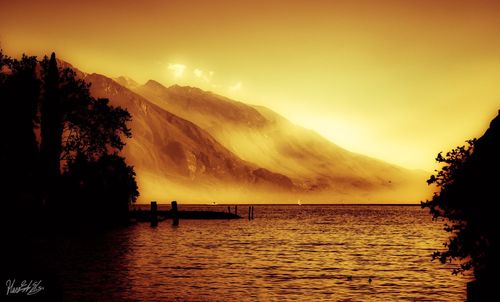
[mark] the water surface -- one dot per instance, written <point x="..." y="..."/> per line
<point x="293" y="253"/>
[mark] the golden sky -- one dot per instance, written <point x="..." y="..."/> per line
<point x="397" y="80"/>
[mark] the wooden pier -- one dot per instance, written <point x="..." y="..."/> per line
<point x="154" y="215"/>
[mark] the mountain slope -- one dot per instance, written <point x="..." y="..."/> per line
<point x="265" y="138"/>
<point x="196" y="146"/>
<point x="175" y="158"/>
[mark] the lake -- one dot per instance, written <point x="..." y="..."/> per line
<point x="287" y="253"/>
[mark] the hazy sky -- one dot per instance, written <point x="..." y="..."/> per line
<point x="397" y="80"/>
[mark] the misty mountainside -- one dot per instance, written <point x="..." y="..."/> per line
<point x="196" y="146"/>
<point x="175" y="156"/>
<point x="261" y="136"/>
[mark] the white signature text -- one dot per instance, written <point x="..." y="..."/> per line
<point x="25" y="287"/>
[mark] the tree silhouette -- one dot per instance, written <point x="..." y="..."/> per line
<point x="19" y="92"/>
<point x="94" y="129"/>
<point x="51" y="125"/>
<point x="468" y="183"/>
<point x="107" y="184"/>
<point x="77" y="134"/>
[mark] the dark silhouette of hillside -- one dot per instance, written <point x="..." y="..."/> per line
<point x="468" y="199"/>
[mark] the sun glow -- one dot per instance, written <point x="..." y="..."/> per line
<point x="417" y="78"/>
<point x="235" y="87"/>
<point x="177" y="70"/>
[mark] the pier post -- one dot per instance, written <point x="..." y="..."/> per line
<point x="154" y="214"/>
<point x="175" y="214"/>
<point x="249" y="212"/>
<point x="252" y="212"/>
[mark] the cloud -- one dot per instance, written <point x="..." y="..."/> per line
<point x="176" y="69"/>
<point x="197" y="76"/>
<point x="235" y="87"/>
<point x="200" y="74"/>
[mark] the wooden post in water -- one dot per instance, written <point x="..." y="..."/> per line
<point x="154" y="214"/>
<point x="235" y="210"/>
<point x="175" y="214"/>
<point x="252" y="212"/>
<point x="249" y="210"/>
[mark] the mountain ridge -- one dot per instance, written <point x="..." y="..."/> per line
<point x="194" y="145"/>
<point x="259" y="124"/>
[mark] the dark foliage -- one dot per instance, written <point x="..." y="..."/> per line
<point x="468" y="183"/>
<point x="51" y="124"/>
<point x="19" y="156"/>
<point x="107" y="184"/>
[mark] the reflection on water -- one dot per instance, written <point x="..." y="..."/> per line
<point x="286" y="253"/>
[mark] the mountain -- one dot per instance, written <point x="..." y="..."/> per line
<point x="263" y="137"/>
<point x="127" y="82"/>
<point x="175" y="158"/>
<point x="196" y="146"/>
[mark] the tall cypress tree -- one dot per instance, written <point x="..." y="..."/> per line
<point x="51" y="127"/>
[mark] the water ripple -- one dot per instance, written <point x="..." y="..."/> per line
<point x="293" y="253"/>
